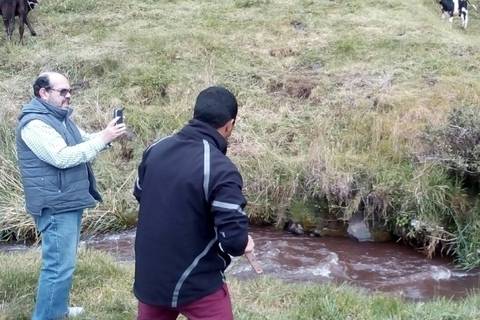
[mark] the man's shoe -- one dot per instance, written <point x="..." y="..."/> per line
<point x="75" y="311"/>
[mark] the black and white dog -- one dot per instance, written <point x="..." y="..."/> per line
<point x="451" y="8"/>
<point x="11" y="8"/>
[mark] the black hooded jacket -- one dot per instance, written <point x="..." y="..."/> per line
<point x="191" y="217"/>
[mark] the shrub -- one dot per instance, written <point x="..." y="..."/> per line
<point x="457" y="143"/>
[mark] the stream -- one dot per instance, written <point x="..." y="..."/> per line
<point x="386" y="267"/>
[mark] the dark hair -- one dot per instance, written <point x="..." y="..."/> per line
<point x="40" y="82"/>
<point x="215" y="106"/>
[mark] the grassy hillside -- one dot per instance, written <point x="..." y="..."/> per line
<point x="104" y="289"/>
<point x="345" y="105"/>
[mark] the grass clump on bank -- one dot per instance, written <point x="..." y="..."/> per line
<point x="336" y="100"/>
<point x="103" y="287"/>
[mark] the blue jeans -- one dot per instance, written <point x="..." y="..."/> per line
<point x="60" y="236"/>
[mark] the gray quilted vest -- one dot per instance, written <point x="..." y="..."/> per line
<point x="49" y="189"/>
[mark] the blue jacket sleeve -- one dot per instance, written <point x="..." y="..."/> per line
<point x="229" y="216"/>
<point x="137" y="189"/>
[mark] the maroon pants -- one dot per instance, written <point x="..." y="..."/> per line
<point x="215" y="306"/>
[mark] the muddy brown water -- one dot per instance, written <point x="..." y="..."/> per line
<point x="386" y="267"/>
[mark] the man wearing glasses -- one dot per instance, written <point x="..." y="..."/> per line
<point x="54" y="158"/>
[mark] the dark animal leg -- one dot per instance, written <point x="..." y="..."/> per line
<point x="21" y="28"/>
<point x="11" y="27"/>
<point x="27" y="22"/>
<point x="6" y="24"/>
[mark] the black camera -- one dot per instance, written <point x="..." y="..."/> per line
<point x="118" y="112"/>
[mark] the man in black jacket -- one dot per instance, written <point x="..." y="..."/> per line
<point x="191" y="217"/>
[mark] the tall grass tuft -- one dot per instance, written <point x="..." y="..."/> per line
<point x="13" y="219"/>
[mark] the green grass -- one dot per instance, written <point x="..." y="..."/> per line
<point x="335" y="98"/>
<point x="104" y="288"/>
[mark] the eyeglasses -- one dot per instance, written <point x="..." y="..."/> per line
<point x="62" y="92"/>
